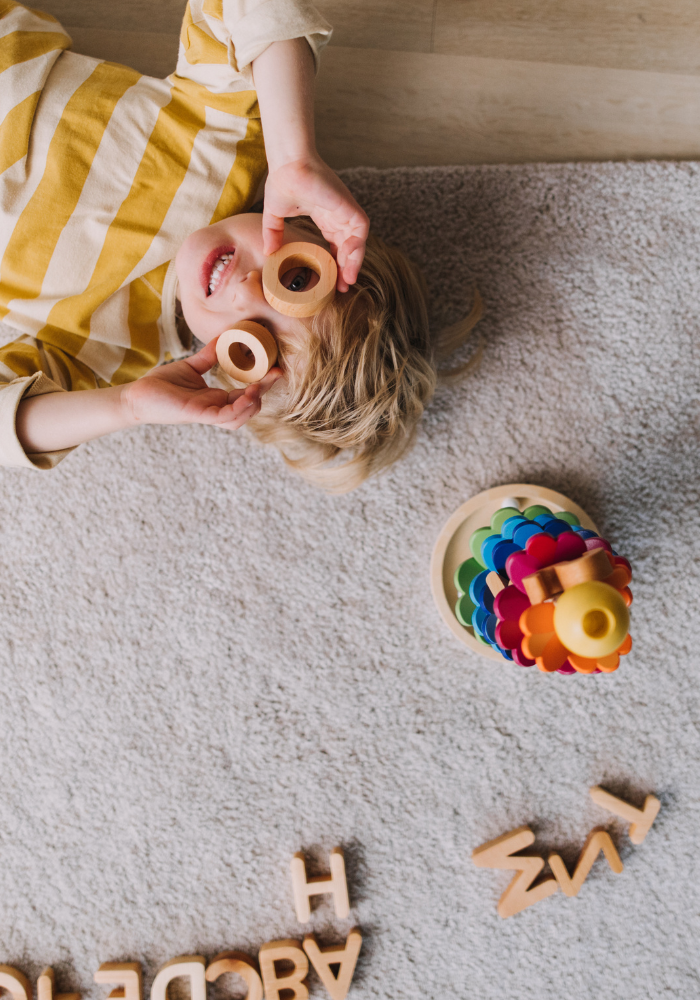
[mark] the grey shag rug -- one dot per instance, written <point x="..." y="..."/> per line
<point x="206" y="665"/>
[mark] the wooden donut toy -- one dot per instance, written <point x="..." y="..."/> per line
<point x="308" y="301"/>
<point x="247" y="352"/>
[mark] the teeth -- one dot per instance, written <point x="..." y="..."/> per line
<point x="216" y="270"/>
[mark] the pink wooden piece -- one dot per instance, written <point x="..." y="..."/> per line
<point x="510" y="604"/>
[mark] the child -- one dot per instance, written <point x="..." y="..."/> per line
<point x="115" y="191"/>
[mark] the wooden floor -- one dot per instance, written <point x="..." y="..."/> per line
<point x="468" y="81"/>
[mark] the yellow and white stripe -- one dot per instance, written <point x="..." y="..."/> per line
<point x="103" y="174"/>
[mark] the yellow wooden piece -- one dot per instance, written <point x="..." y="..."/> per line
<point x="287" y="951"/>
<point x="309" y="301"/>
<point x="335" y="884"/>
<point x="597" y="841"/>
<point x="346" y="958"/>
<point x="46" y="987"/>
<point x="126" y="977"/>
<point x="641" y="819"/>
<point x="246" y="352"/>
<point x="185" y="965"/>
<point x="240" y="964"/>
<point x="15" y="982"/>
<point x="499" y="853"/>
<point x="494" y="583"/>
<point x="591" y="619"/>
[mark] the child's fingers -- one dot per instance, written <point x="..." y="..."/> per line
<point x="273" y="232"/>
<point x="205" y="359"/>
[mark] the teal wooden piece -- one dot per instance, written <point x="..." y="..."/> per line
<point x="501" y="516"/>
<point x="537" y="508"/>
<point x="464" y="609"/>
<point x="476" y="541"/>
<point x="464" y="574"/>
<point x="565" y="515"/>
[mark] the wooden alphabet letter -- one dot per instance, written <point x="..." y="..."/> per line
<point x="185" y="965"/>
<point x="499" y="853"/>
<point x="336" y="884"/>
<point x="46" y="988"/>
<point x="15" y="982"/>
<point x="597" y="841"/>
<point x="641" y="819"/>
<point x="283" y="951"/>
<point x="236" y="961"/>
<point x="346" y="958"/>
<point x="126" y="976"/>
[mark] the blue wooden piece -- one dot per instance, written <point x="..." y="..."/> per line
<point x="586" y="533"/>
<point x="525" y="531"/>
<point x="555" y="527"/>
<point x="489" y="629"/>
<point x="500" y="552"/>
<point x="476" y="587"/>
<point x="487" y="549"/>
<point x="479" y="620"/>
<point x="511" y="524"/>
<point x="486" y="600"/>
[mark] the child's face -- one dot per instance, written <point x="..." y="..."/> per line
<point x="214" y="300"/>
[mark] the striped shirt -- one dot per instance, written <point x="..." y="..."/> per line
<point x="103" y="173"/>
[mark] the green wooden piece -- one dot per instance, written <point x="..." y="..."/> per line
<point x="464" y="609"/>
<point x="477" y="540"/>
<point x="501" y="516"/>
<point x="532" y="512"/>
<point x="464" y="574"/>
<point x="565" y="515"/>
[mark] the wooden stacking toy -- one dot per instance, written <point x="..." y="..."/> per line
<point x="308" y="301"/>
<point x="247" y="352"/>
<point x="538" y="584"/>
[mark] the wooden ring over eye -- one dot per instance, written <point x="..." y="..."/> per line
<point x="309" y="301"/>
<point x="234" y="347"/>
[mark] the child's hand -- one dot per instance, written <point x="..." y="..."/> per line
<point x="310" y="187"/>
<point x="177" y="394"/>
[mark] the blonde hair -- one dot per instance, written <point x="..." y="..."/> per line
<point x="368" y="369"/>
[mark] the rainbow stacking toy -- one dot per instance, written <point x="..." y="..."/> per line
<point x="540" y="588"/>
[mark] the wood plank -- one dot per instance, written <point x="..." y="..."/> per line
<point x="151" y="52"/>
<point x="623" y="34"/>
<point x="407" y="108"/>
<point x="404" y="25"/>
<point x="120" y="15"/>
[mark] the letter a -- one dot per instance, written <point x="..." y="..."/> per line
<point x="283" y="951"/>
<point x="125" y="975"/>
<point x="498" y="854"/>
<point x="305" y="887"/>
<point x="346" y="958"/>
<point x="597" y="841"/>
<point x="185" y="965"/>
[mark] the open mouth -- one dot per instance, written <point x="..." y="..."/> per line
<point x="214" y="267"/>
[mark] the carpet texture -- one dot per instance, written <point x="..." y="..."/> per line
<point x="208" y="665"/>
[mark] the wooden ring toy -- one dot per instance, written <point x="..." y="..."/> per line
<point x="308" y="301"/>
<point x="247" y="352"/>
<point x="591" y="619"/>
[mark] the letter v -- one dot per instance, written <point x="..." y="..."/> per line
<point x="499" y="853"/>
<point x="597" y="841"/>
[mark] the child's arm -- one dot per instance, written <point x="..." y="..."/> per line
<point x="299" y="182"/>
<point x="172" y="394"/>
